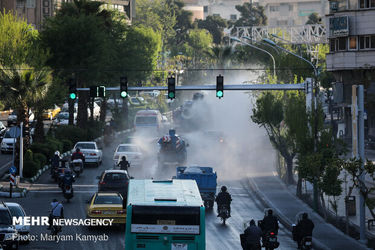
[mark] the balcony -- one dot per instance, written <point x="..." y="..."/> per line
<point x="348" y="60"/>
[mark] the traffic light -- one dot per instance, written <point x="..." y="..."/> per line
<point x="101" y="91"/>
<point x="93" y="91"/>
<point x="219" y="86"/>
<point x="171" y="88"/>
<point x="124" y="87"/>
<point x="72" y="89"/>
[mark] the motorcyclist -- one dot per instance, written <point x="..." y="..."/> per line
<point x="68" y="180"/>
<point x="55" y="162"/>
<point x="78" y="155"/>
<point x="252" y="235"/>
<point x="124" y="164"/>
<point x="57" y="211"/>
<point x="270" y="223"/>
<point x="223" y="198"/>
<point x="304" y="228"/>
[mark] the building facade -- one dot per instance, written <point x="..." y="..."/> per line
<point x="35" y="11"/>
<point x="292" y="12"/>
<point x="351" y="34"/>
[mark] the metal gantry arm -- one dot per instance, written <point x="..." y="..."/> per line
<point x="287" y="86"/>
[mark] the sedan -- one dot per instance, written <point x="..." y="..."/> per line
<point x="103" y="205"/>
<point x="51" y="113"/>
<point x="114" y="181"/>
<point x="91" y="151"/>
<point x="16" y="210"/>
<point x="132" y="153"/>
<point x="63" y="118"/>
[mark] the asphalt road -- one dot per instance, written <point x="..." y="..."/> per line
<point x="218" y="236"/>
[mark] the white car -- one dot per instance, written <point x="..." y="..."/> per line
<point x="91" y="151"/>
<point x="7" y="142"/>
<point x="132" y="153"/>
<point x="16" y="210"/>
<point x="63" y="118"/>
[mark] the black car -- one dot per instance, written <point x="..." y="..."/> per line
<point x="114" y="180"/>
<point x="8" y="233"/>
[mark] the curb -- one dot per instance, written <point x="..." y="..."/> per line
<point x="14" y="194"/>
<point x="283" y="219"/>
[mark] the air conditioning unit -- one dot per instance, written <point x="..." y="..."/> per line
<point x="334" y="6"/>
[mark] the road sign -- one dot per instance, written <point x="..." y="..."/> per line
<point x="12" y="179"/>
<point x="15" y="132"/>
<point x="12" y="170"/>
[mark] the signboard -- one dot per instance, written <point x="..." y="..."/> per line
<point x="339" y="26"/>
<point x="12" y="170"/>
<point x="165" y="229"/>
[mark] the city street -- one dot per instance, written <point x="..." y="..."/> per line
<point x="218" y="236"/>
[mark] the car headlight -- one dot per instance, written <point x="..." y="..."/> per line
<point x="3" y="144"/>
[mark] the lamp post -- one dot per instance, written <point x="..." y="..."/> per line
<point x="255" y="47"/>
<point x="263" y="43"/>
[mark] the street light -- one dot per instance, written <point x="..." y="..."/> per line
<point x="255" y="47"/>
<point x="290" y="52"/>
<point x="263" y="43"/>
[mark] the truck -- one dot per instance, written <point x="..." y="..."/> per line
<point x="206" y="180"/>
<point x="172" y="150"/>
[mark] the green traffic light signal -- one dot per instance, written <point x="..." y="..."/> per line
<point x="123" y="94"/>
<point x="171" y="95"/>
<point x="73" y="96"/>
<point x="219" y="94"/>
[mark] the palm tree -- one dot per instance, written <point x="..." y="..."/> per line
<point x="221" y="56"/>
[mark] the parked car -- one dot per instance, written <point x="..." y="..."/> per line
<point x="2" y="130"/>
<point x="12" y="118"/>
<point x="93" y="155"/>
<point x="114" y="181"/>
<point x="8" y="232"/>
<point x="63" y="118"/>
<point x="7" y="142"/>
<point x="16" y="210"/>
<point x="132" y="153"/>
<point x="108" y="205"/>
<point x="51" y="113"/>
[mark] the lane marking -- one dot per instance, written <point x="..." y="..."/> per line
<point x="59" y="191"/>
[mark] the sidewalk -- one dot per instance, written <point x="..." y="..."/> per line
<point x="275" y="194"/>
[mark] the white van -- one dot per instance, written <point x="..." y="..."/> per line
<point x="148" y="121"/>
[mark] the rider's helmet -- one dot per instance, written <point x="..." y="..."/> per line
<point x="270" y="212"/>
<point x="172" y="132"/>
<point x="252" y="223"/>
<point x="223" y="189"/>
<point x="54" y="200"/>
<point x="78" y="150"/>
<point x="304" y="216"/>
<point x="123" y="158"/>
<point x="57" y="153"/>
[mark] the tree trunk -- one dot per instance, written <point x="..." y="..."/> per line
<point x="125" y="114"/>
<point x="82" y="110"/>
<point x="299" y="187"/>
<point x="91" y="105"/>
<point x="289" y="170"/>
<point x="39" y="127"/>
<point x="103" y="110"/>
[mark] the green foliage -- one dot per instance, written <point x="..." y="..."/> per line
<point x="28" y="155"/>
<point x="30" y="168"/>
<point x="74" y="133"/>
<point x="41" y="158"/>
<point x="67" y="145"/>
<point x="314" y="19"/>
<point x="215" y="25"/>
<point x="251" y="15"/>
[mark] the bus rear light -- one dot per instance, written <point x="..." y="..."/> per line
<point x="121" y="212"/>
<point x="102" y="183"/>
<point x="96" y="212"/>
<point x="93" y="154"/>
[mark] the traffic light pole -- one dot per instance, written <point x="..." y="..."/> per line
<point x="288" y="86"/>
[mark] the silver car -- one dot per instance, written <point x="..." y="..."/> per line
<point x="16" y="210"/>
<point x="91" y="151"/>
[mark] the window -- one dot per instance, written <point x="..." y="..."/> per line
<point x="282" y="22"/>
<point x="364" y="4"/>
<point x="233" y="17"/>
<point x="216" y="14"/>
<point x="338" y="44"/>
<point x="205" y="8"/>
<point x="353" y="42"/>
<point x="274" y="8"/>
<point x="364" y="42"/>
<point x="290" y="7"/>
<point x="342" y="43"/>
<point x="372" y="45"/>
<point x="20" y="3"/>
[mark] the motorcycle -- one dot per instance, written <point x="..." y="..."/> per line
<point x="55" y="229"/>
<point x="306" y="243"/>
<point x="68" y="192"/>
<point x="269" y="240"/>
<point x="77" y="166"/>
<point x="224" y="213"/>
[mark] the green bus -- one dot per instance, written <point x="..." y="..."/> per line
<point x="165" y="215"/>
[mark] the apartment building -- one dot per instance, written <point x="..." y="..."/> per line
<point x="351" y="35"/>
<point x="292" y="12"/>
<point x="35" y="11"/>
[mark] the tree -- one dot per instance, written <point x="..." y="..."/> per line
<point x="79" y="41"/>
<point x="24" y="78"/>
<point x="314" y="19"/>
<point x="198" y="44"/>
<point x="251" y="15"/>
<point x="215" y="25"/>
